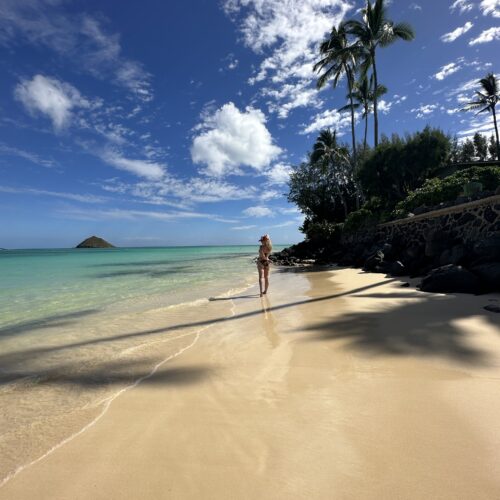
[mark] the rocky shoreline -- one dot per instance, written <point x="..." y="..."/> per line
<point x="445" y="265"/>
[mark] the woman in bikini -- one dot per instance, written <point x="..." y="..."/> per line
<point x="263" y="262"/>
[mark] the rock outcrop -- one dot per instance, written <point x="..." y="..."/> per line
<point x="95" y="242"/>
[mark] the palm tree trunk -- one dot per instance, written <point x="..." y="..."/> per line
<point x="375" y="98"/>
<point x="354" y="154"/>
<point x="496" y="132"/>
<point x="366" y="129"/>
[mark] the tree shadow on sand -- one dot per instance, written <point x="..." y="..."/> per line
<point x="121" y="372"/>
<point x="421" y="328"/>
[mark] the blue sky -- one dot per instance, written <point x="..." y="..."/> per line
<point x="176" y="123"/>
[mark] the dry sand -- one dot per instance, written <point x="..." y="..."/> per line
<point x="338" y="385"/>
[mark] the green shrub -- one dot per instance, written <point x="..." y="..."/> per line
<point x="436" y="191"/>
<point x="360" y="219"/>
<point x="323" y="231"/>
<point x="472" y="188"/>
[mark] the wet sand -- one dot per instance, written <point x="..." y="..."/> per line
<point x="338" y="385"/>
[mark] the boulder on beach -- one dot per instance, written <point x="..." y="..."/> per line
<point x="95" y="242"/>
<point x="451" y="279"/>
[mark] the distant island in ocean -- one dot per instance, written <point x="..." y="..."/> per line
<point x="95" y="242"/>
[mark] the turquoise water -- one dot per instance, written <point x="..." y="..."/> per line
<point x="39" y="284"/>
<point x="79" y="326"/>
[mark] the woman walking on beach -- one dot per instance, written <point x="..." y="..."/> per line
<point x="263" y="262"/>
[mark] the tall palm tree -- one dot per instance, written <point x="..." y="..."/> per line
<point x="364" y="96"/>
<point x="338" y="58"/>
<point x="487" y="100"/>
<point x="333" y="161"/>
<point x="374" y="31"/>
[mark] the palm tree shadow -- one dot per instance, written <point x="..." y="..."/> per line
<point x="423" y="328"/>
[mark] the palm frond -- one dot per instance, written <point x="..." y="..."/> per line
<point x="404" y="31"/>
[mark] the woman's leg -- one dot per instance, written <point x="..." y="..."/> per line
<point x="266" y="278"/>
<point x="261" y="275"/>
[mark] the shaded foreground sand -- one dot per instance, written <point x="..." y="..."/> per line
<point x="339" y="385"/>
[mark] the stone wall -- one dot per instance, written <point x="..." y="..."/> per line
<point x="468" y="222"/>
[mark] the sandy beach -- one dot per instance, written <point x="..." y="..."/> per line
<point x="337" y="385"/>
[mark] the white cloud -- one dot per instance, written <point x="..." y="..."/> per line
<point x="124" y="214"/>
<point x="424" y="110"/>
<point x="278" y="174"/>
<point x="462" y="6"/>
<point x="142" y="168"/>
<point x="490" y="7"/>
<point x="415" y="6"/>
<point x="177" y="192"/>
<point x="231" y="139"/>
<point x="447" y="70"/>
<point x="486" y="36"/>
<point x="288" y="33"/>
<point x="243" y="228"/>
<point x="384" y="107"/>
<point x="83" y="198"/>
<point x="258" y="212"/>
<point x="453" y="35"/>
<point x="326" y="119"/>
<point x="80" y="38"/>
<point x="21" y="153"/>
<point x="50" y="97"/>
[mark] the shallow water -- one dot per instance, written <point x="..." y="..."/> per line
<point x="77" y="327"/>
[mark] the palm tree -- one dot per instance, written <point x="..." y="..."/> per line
<point x="374" y="31"/>
<point x="487" y="100"/>
<point x="338" y="59"/>
<point x="364" y="96"/>
<point x="333" y="160"/>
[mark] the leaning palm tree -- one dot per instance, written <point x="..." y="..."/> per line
<point x="487" y="100"/>
<point x="333" y="161"/>
<point x="363" y="96"/>
<point x="374" y="31"/>
<point x="339" y="58"/>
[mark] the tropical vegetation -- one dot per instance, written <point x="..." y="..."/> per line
<point x="344" y="187"/>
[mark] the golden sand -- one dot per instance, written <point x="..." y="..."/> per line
<point x="337" y="385"/>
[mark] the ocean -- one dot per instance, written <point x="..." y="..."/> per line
<point x="80" y="326"/>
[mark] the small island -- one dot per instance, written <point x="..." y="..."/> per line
<point x="95" y="242"/>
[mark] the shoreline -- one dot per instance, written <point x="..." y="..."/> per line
<point x="332" y="364"/>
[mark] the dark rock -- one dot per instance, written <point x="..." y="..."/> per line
<point x="374" y="262"/>
<point x="451" y="279"/>
<point x="405" y="285"/>
<point x="466" y="218"/>
<point x="436" y="241"/>
<point x="489" y="274"/>
<point x="455" y="255"/>
<point x="95" y="242"/>
<point x="492" y="308"/>
<point x="398" y="269"/>
<point x="490" y="215"/>
<point x="488" y="248"/>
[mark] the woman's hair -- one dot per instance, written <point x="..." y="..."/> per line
<point x="266" y="241"/>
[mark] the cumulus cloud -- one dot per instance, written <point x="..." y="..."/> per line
<point x="230" y="139"/>
<point x="329" y="118"/>
<point x="447" y="70"/>
<point x="486" y="36"/>
<point x="462" y="6"/>
<point x="50" y="97"/>
<point x="278" y="174"/>
<point x="141" y="168"/>
<point x="424" y="110"/>
<point x="288" y="33"/>
<point x="490" y="7"/>
<point x="453" y="35"/>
